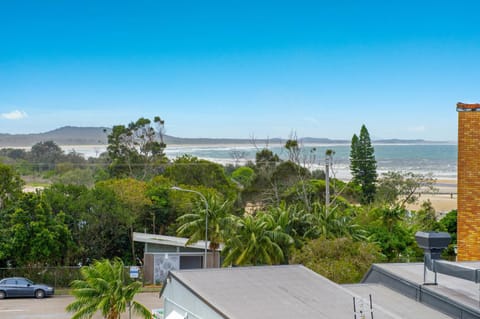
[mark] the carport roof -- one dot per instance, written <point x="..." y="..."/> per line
<point x="169" y="241"/>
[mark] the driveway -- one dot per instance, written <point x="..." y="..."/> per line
<point x="54" y="307"/>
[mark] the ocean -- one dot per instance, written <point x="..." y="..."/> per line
<point x="440" y="159"/>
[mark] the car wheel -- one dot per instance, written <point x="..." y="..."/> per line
<point x="2" y="294"/>
<point x="39" y="293"/>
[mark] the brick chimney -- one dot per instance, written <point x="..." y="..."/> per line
<point x="468" y="182"/>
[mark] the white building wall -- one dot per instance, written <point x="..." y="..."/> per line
<point x="183" y="301"/>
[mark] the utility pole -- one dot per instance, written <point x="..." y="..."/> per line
<point x="328" y="162"/>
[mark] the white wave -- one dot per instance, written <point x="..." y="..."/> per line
<point x="222" y="154"/>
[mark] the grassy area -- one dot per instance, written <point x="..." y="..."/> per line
<point x="62" y="291"/>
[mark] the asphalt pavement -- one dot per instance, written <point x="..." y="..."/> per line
<point x="54" y="307"/>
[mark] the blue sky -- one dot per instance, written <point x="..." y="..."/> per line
<point x="240" y="68"/>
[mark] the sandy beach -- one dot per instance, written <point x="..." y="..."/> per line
<point x="444" y="200"/>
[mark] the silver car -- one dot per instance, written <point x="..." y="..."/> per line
<point x="23" y="287"/>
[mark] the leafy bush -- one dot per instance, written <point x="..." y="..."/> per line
<point x="341" y="260"/>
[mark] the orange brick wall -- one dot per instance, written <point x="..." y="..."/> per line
<point x="468" y="221"/>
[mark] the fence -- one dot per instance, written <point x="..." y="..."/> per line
<point x="58" y="277"/>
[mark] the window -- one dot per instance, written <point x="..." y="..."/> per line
<point x="22" y="282"/>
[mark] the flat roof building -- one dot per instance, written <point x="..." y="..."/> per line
<point x="453" y="295"/>
<point x="289" y="291"/>
<point x="165" y="253"/>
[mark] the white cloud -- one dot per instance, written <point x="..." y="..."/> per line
<point x="14" y="115"/>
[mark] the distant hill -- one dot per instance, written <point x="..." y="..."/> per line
<point x="71" y="135"/>
<point x="68" y="135"/>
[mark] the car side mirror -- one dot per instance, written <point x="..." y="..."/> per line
<point x="28" y="285"/>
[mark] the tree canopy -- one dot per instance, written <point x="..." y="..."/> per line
<point x="10" y="185"/>
<point x="135" y="150"/>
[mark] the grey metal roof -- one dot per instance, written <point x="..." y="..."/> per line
<point x="169" y="241"/>
<point x="395" y="302"/>
<point x="290" y="291"/>
<point x="458" y="297"/>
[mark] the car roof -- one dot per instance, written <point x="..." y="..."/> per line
<point x="14" y="278"/>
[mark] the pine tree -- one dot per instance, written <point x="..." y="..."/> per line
<point x="363" y="165"/>
<point x="354" y="160"/>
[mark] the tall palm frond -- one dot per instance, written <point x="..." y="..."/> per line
<point x="103" y="290"/>
<point x="192" y="224"/>
<point x="256" y="240"/>
<point x="330" y="224"/>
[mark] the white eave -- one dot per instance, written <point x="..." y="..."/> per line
<point x="170" y="241"/>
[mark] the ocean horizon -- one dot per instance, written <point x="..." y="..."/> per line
<point x="439" y="159"/>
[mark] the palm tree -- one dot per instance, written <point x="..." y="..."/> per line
<point x="391" y="216"/>
<point x="256" y="240"/>
<point x="192" y="224"/>
<point x="292" y="220"/>
<point x="330" y="224"/>
<point x="102" y="289"/>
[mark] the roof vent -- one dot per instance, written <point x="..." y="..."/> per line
<point x="432" y="243"/>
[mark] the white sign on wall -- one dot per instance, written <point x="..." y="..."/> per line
<point x="134" y="272"/>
